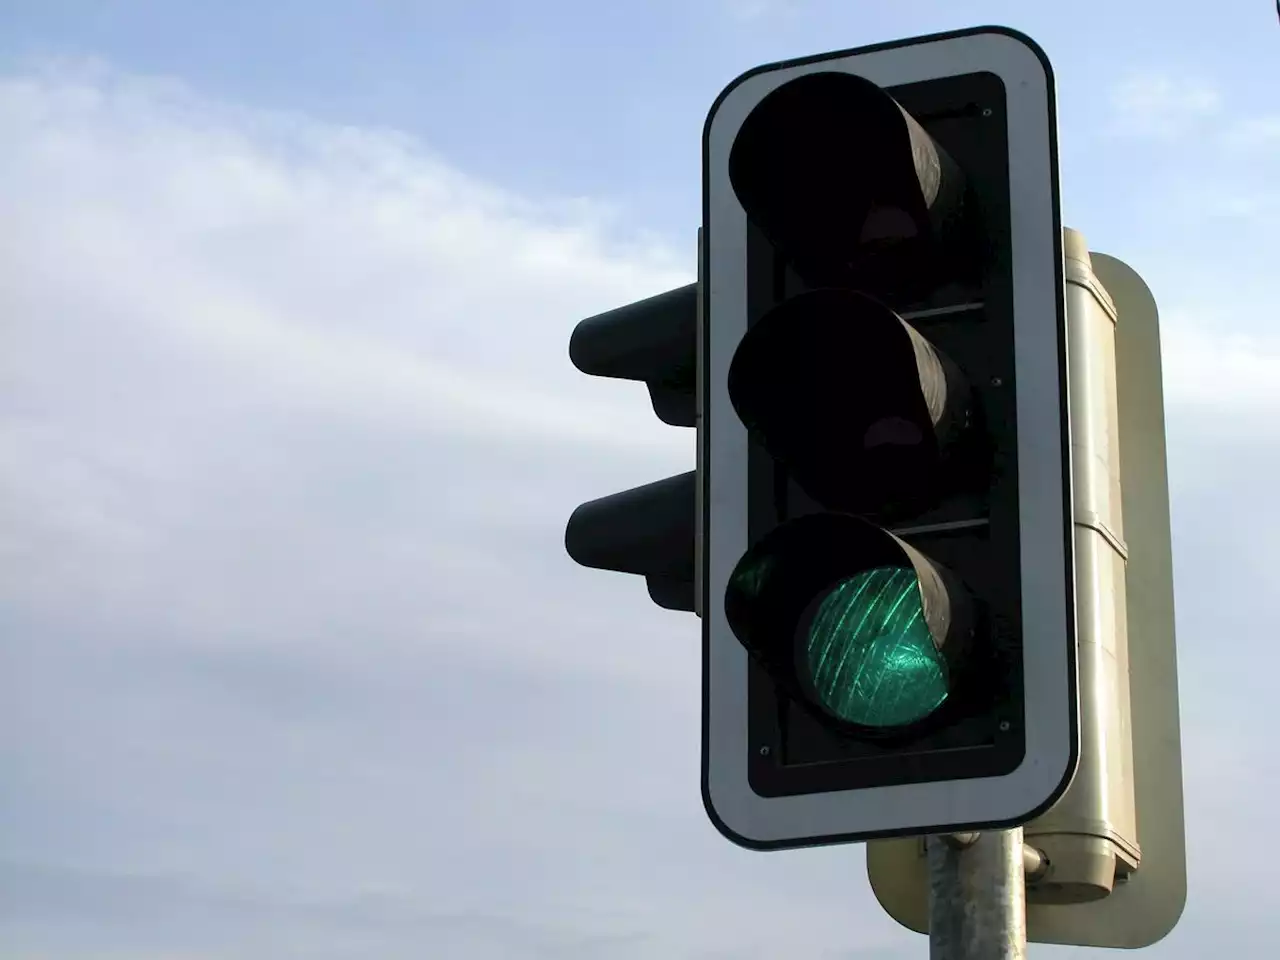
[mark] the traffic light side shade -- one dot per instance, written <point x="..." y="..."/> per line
<point x="648" y="530"/>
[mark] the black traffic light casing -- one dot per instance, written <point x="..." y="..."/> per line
<point x="885" y="419"/>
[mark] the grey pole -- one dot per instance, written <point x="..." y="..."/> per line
<point x="977" y="896"/>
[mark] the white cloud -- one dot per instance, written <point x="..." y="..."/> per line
<point x="1159" y="105"/>
<point x="1212" y="369"/>
<point x="343" y="267"/>
<point x="751" y="10"/>
<point x="1254" y="133"/>
<point x="1223" y="185"/>
<point x="294" y="662"/>
<point x="206" y="281"/>
<point x="1230" y="202"/>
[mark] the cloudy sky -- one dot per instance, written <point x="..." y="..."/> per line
<point x="292" y="661"/>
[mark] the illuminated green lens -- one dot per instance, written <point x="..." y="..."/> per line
<point x="869" y="654"/>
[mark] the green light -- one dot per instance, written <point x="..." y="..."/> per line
<point x="869" y="653"/>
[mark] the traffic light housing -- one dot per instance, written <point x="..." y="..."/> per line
<point x="888" y="633"/>
<point x="1115" y="843"/>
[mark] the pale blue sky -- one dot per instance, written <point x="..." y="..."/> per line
<point x="292" y="661"/>
<point x="607" y="100"/>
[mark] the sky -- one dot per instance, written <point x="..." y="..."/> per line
<point x="293" y="663"/>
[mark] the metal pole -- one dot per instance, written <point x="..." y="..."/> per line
<point x="977" y="897"/>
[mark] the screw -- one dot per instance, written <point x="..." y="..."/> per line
<point x="986" y="111"/>
<point x="764" y="751"/>
<point x="1005" y="726"/>
<point x="997" y="381"/>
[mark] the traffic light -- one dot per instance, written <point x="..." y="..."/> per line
<point x="647" y="530"/>
<point x="888" y="630"/>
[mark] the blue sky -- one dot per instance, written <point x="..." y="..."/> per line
<point x="293" y="662"/>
